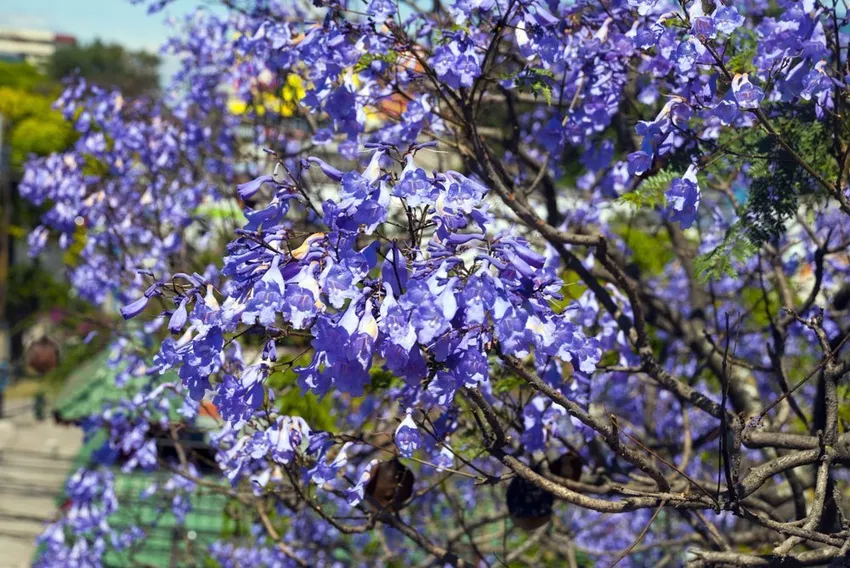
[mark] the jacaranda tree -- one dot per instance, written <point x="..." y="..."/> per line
<point x="504" y="282"/>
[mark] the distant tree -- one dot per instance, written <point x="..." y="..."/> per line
<point x="21" y="75"/>
<point x="31" y="126"/>
<point x="108" y="65"/>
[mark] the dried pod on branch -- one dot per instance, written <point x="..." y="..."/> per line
<point x="42" y="355"/>
<point x="529" y="505"/>
<point x="390" y="485"/>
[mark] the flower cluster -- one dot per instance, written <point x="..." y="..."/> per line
<point x="83" y="534"/>
<point x="388" y="234"/>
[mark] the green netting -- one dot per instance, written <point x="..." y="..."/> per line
<point x="166" y="542"/>
<point x="93" y="385"/>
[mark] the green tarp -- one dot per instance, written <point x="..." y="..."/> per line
<point x="166" y="542"/>
<point x="93" y="385"/>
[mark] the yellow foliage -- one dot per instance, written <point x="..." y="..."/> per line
<point x="72" y="254"/>
<point x="237" y="107"/>
<point x="32" y="126"/>
<point x="284" y="105"/>
<point x="39" y="135"/>
<point x="293" y="90"/>
<point x="16" y="104"/>
<point x="355" y="80"/>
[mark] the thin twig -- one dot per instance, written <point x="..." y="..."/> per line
<point x="642" y="534"/>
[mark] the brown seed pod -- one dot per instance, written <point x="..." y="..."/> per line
<point x="529" y="505"/>
<point x="568" y="465"/>
<point x="391" y="484"/>
<point x="42" y="355"/>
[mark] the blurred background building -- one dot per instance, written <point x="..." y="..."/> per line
<point x="31" y="46"/>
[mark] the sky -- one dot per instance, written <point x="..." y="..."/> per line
<point x="110" y="20"/>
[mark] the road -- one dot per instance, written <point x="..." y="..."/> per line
<point x="35" y="459"/>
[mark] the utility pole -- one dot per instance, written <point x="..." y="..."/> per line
<point x="5" y="222"/>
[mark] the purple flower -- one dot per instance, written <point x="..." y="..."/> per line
<point x="703" y="27"/>
<point x="415" y="186"/>
<point x="408" y="265"/>
<point x="179" y="317"/>
<point x="727" y="111"/>
<point x="37" y="240"/>
<point x="133" y="309"/>
<point x="639" y="162"/>
<point x="354" y="495"/>
<point x="816" y="82"/>
<point x="457" y="63"/>
<point x="687" y="54"/>
<point x="266" y="300"/>
<point x="248" y="189"/>
<point x="323" y="471"/>
<point x="202" y="359"/>
<point x="326" y="168"/>
<point x="643" y="6"/>
<point x="408" y="439"/>
<point x="381" y="9"/>
<point x="747" y="95"/>
<point x="727" y="19"/>
<point x="683" y="199"/>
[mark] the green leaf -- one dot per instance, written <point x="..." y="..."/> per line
<point x="778" y="184"/>
<point x="651" y="252"/>
<point x="367" y="58"/>
<point x="736" y="248"/>
<point x="536" y="81"/>
<point x="295" y="402"/>
<point x="381" y="380"/>
<point x="741" y="59"/>
<point x="545" y="90"/>
<point x="650" y="192"/>
<point x="507" y="384"/>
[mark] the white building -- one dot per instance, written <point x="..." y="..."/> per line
<point x="32" y="46"/>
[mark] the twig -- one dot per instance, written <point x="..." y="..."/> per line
<point x="642" y="534"/>
<point x="267" y="524"/>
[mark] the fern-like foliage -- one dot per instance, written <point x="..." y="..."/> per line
<point x="650" y="193"/>
<point x="777" y="181"/>
<point x="735" y="248"/>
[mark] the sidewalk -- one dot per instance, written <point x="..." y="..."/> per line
<point x="35" y="460"/>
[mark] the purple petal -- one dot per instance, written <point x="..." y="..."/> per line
<point x="248" y="189"/>
<point x="132" y="310"/>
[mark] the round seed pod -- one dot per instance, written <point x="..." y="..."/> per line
<point x="391" y="484"/>
<point x="42" y="355"/>
<point x="530" y="506"/>
<point x="568" y="466"/>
